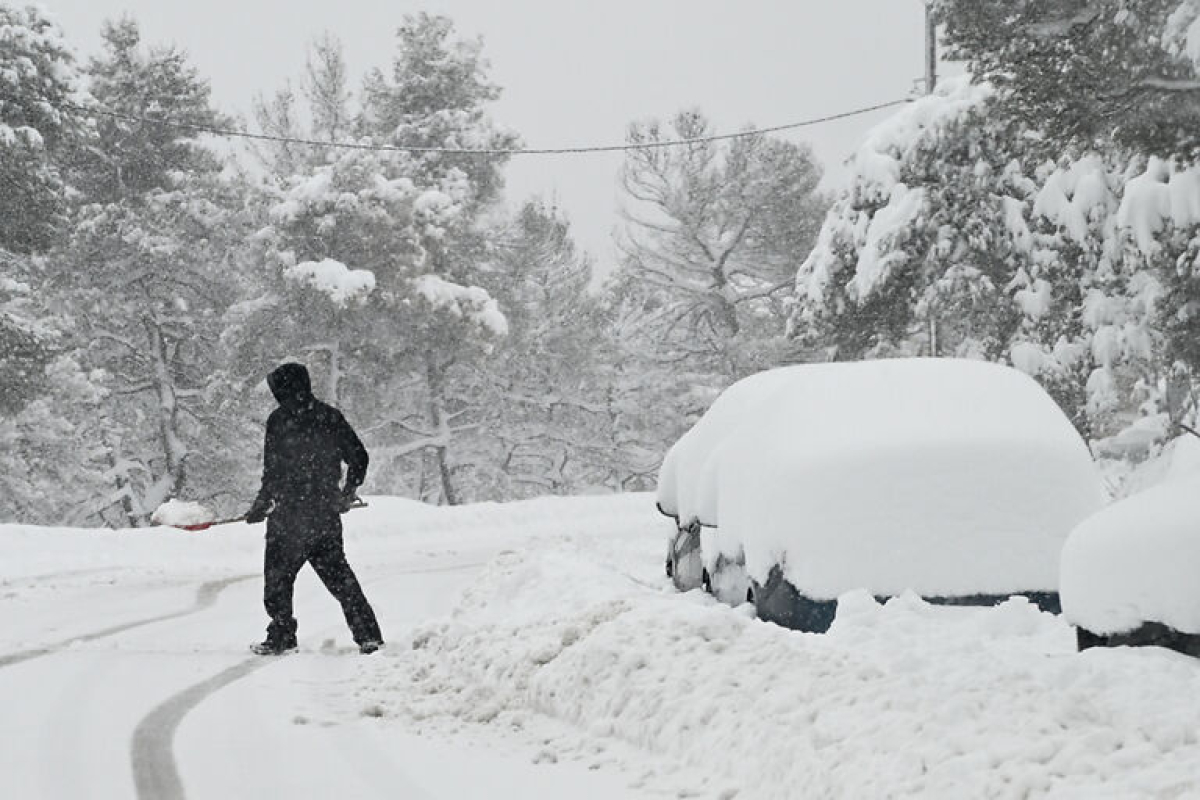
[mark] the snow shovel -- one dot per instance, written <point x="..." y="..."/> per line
<point x="203" y="526"/>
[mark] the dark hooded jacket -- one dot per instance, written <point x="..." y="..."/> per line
<point x="306" y="444"/>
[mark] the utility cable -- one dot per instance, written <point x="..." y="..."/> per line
<point x="96" y="111"/>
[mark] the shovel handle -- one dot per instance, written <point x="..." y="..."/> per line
<point x="203" y="526"/>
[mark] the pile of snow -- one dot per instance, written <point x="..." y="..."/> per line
<point x="466" y="302"/>
<point x="947" y="477"/>
<point x="897" y="700"/>
<point x="335" y="279"/>
<point x="1135" y="562"/>
<point x="177" y="513"/>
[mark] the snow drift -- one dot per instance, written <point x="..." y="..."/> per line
<point x="903" y="699"/>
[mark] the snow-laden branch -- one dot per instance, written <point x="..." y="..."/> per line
<point x="399" y="423"/>
<point x="1168" y="84"/>
<point x="549" y="401"/>
<point x="1055" y="28"/>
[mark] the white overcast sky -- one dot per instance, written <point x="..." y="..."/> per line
<point x="575" y="72"/>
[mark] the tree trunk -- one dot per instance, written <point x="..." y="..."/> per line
<point x="174" y="450"/>
<point x="437" y="418"/>
<point x="119" y="479"/>
<point x="335" y="374"/>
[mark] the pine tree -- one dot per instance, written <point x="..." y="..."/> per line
<point x="713" y="236"/>
<point x="147" y="273"/>
<point x="401" y="350"/>
<point x="131" y="157"/>
<point x="918" y="255"/>
<point x="548" y="406"/>
<point x="1091" y="72"/>
<point x="37" y="77"/>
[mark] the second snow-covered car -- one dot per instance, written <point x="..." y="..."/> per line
<point x="955" y="479"/>
<point x="1129" y="571"/>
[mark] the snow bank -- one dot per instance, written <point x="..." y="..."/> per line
<point x="947" y="477"/>
<point x="335" y="279"/>
<point x="899" y="700"/>
<point x="1136" y="561"/>
<point x="176" y="513"/>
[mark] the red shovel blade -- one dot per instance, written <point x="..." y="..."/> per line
<point x="203" y="526"/>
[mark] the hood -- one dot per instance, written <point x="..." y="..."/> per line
<point x="291" y="386"/>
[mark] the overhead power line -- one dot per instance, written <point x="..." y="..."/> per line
<point x="96" y="111"/>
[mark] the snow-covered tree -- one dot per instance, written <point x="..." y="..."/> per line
<point x="147" y="280"/>
<point x="714" y="234"/>
<point x="48" y="471"/>
<point x="131" y="157"/>
<point x="144" y="277"/>
<point x="918" y="254"/>
<point x="1107" y="91"/>
<point x="37" y="76"/>
<point x="372" y="260"/>
<point x="324" y="111"/>
<point x="547" y="424"/>
<point x="1027" y="219"/>
<point x="437" y="95"/>
<point x="1101" y="72"/>
<point x="714" y="230"/>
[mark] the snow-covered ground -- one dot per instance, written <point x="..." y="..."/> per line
<point x="536" y="650"/>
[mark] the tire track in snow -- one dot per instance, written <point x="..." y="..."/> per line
<point x="155" y="774"/>
<point x="20" y="580"/>
<point x="206" y="595"/>
<point x="152" y="750"/>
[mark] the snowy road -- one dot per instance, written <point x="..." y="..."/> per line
<point x="536" y="650"/>
<point x="135" y="680"/>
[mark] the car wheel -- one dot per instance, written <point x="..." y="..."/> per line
<point x="670" y="567"/>
<point x="706" y="581"/>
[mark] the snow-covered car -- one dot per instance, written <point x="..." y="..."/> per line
<point x="1129" y="572"/>
<point x="958" y="480"/>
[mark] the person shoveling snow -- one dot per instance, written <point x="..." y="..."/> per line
<point x="306" y="443"/>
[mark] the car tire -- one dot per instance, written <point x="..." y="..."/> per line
<point x="706" y="581"/>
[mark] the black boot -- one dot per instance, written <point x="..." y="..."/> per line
<point x="273" y="646"/>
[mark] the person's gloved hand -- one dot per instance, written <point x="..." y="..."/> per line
<point x="349" y="499"/>
<point x="258" y="511"/>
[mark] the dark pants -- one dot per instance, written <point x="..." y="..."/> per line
<point x="290" y="544"/>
